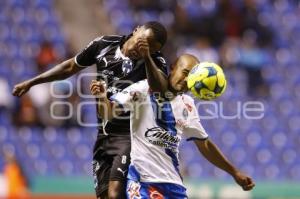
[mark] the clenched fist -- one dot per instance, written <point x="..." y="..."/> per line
<point x="143" y="47"/>
<point x="98" y="88"/>
<point x="21" y="88"/>
<point x="244" y="181"/>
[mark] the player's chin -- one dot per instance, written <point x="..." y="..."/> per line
<point x="180" y="88"/>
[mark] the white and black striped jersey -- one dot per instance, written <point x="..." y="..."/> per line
<point x="117" y="70"/>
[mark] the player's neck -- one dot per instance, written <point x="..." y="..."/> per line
<point x="123" y="48"/>
<point x="174" y="92"/>
<point x="125" y="45"/>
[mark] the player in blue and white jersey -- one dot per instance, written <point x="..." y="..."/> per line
<point x="157" y="127"/>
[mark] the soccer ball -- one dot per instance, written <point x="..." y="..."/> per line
<point x="206" y="81"/>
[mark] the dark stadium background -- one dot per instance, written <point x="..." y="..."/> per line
<point x="257" y="42"/>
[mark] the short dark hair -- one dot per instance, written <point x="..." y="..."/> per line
<point x="160" y="32"/>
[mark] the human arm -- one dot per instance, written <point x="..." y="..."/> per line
<point x="59" y="72"/>
<point x="194" y="130"/>
<point x="118" y="103"/>
<point x="63" y="70"/>
<point x="213" y="154"/>
<point x="105" y="106"/>
<point x="156" y="74"/>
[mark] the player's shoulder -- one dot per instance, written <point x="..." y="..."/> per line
<point x="140" y="86"/>
<point x="188" y="98"/>
<point x="112" y="38"/>
<point x="159" y="55"/>
<point x="107" y="39"/>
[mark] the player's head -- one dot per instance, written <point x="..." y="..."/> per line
<point x="153" y="31"/>
<point x="179" y="72"/>
<point x="159" y="33"/>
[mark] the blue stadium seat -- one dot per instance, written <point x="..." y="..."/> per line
<point x="86" y="168"/>
<point x="32" y="151"/>
<point x="254" y="139"/>
<point x="294" y="124"/>
<point x="250" y="144"/>
<point x="57" y="151"/>
<point x="73" y="135"/>
<point x="50" y="134"/>
<point x="66" y="167"/>
<point x="288" y="156"/>
<point x="83" y="152"/>
<point x="4" y="31"/>
<point x="272" y="171"/>
<point x="4" y="117"/>
<point x="3" y="133"/>
<point x="294" y="172"/>
<point x="238" y="155"/>
<point x="40" y="167"/>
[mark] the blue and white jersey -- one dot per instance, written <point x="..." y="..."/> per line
<point x="156" y="130"/>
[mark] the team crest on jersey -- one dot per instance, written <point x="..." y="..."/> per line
<point x="134" y="190"/>
<point x="127" y="66"/>
<point x="185" y="113"/>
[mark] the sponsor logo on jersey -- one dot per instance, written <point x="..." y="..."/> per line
<point x="160" y="137"/>
<point x="154" y="193"/>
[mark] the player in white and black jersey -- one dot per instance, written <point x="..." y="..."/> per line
<point x="157" y="127"/>
<point x="121" y="61"/>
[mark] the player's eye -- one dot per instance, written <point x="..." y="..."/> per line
<point x="185" y="72"/>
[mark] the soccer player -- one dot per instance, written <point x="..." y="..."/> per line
<point x="156" y="130"/>
<point x="119" y="59"/>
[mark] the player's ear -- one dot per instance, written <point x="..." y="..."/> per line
<point x="136" y="29"/>
<point x="171" y="67"/>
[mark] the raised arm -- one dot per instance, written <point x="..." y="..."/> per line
<point x="211" y="152"/>
<point x="59" y="72"/>
<point x="157" y="79"/>
<point x="65" y="69"/>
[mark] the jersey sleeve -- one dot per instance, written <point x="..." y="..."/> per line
<point x="87" y="56"/>
<point x="130" y="95"/>
<point x="194" y="129"/>
<point x="160" y="62"/>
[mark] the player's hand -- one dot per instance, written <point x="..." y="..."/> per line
<point x="143" y="47"/>
<point x="98" y="88"/>
<point x="21" y="88"/>
<point x="244" y="181"/>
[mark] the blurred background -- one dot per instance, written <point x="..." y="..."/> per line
<point x="257" y="42"/>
